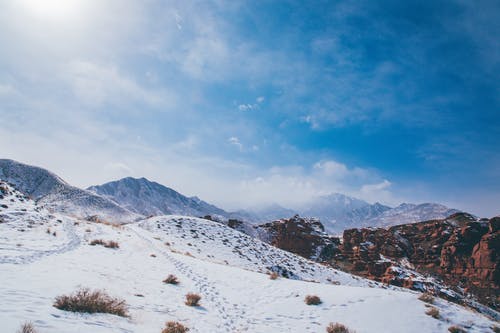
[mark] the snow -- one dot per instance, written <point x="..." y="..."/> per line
<point x="237" y="295"/>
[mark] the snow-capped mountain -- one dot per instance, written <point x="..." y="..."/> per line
<point x="150" y="198"/>
<point x="53" y="193"/>
<point x="409" y="213"/>
<point x="338" y="212"/>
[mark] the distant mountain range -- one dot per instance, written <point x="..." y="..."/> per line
<point x="338" y="212"/>
<point x="130" y="199"/>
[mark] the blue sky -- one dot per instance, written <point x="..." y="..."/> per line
<point x="247" y="103"/>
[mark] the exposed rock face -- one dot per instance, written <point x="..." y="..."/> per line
<point x="303" y="236"/>
<point x="459" y="250"/>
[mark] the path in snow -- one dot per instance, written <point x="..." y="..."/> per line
<point x="233" y="315"/>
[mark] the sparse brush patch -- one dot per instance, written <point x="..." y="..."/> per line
<point x="312" y="300"/>
<point x="338" y="328"/>
<point x="273" y="275"/>
<point x="495" y="329"/>
<point x="27" y="328"/>
<point x="152" y="255"/>
<point x="48" y="231"/>
<point x="427" y="298"/>
<point x="456" y="329"/>
<point x="97" y="301"/>
<point x="88" y="230"/>
<point x="108" y="244"/>
<point x="174" y="327"/>
<point x="433" y="312"/>
<point x="112" y="245"/>
<point x="96" y="242"/>
<point x="192" y="299"/>
<point x="171" y="279"/>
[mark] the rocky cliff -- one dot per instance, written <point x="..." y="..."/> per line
<point x="460" y="250"/>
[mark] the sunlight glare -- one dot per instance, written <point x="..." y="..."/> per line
<point x="54" y="9"/>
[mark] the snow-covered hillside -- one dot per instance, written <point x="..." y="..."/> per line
<point x="54" y="193"/>
<point x="44" y="255"/>
<point x="150" y="198"/>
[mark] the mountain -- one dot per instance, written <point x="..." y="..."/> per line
<point x="53" y="193"/>
<point x="339" y="212"/>
<point x="410" y="213"/>
<point x="150" y="198"/>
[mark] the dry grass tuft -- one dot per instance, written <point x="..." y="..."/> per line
<point x="456" y="329"/>
<point x="433" y="312"/>
<point x="312" y="300"/>
<point x="112" y="245"/>
<point x="87" y="301"/>
<point x="427" y="298"/>
<point x="273" y="275"/>
<point x="174" y="327"/>
<point x="27" y="328"/>
<point x="108" y="244"/>
<point x="337" y="328"/>
<point x="97" y="242"/>
<point x="192" y="299"/>
<point x="171" y="279"/>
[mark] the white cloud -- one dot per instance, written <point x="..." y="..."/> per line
<point x="332" y="168"/>
<point x="260" y="99"/>
<point x="235" y="142"/>
<point x="97" y="84"/>
<point x="378" y="192"/>
<point x="245" y="107"/>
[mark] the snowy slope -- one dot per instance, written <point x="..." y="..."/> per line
<point x="55" y="194"/>
<point x="150" y="198"/>
<point x="36" y="267"/>
<point x="217" y="243"/>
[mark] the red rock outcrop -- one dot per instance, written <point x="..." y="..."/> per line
<point x="303" y="236"/>
<point x="459" y="250"/>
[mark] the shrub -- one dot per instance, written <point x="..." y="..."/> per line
<point x="174" y="327"/>
<point x="495" y="329"/>
<point x="273" y="275"/>
<point x="456" y="329"/>
<point x="337" y="328"/>
<point x="27" y="328"/>
<point x="433" y="312"/>
<point x="171" y="279"/>
<point x="192" y="299"/>
<point x="312" y="300"/>
<point x="427" y="298"/>
<point x="108" y="244"/>
<point x="97" y="301"/>
<point x="96" y="242"/>
<point x="112" y="245"/>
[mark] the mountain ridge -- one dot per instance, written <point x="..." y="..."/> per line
<point x="54" y="193"/>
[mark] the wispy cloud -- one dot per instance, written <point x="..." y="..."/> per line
<point x="96" y="85"/>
